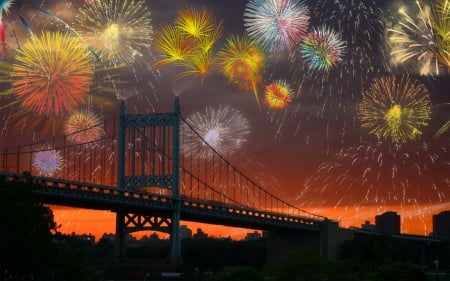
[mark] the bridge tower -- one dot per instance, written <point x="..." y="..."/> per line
<point x="149" y="160"/>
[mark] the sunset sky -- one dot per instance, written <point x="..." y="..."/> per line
<point x="314" y="152"/>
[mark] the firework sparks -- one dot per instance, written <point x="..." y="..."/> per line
<point x="412" y="40"/>
<point x="395" y="109"/>
<point x="47" y="162"/>
<point x="322" y="49"/>
<point x="382" y="174"/>
<point x="51" y="75"/>
<point x="361" y="24"/>
<point x="83" y="126"/>
<point x="441" y="27"/>
<point x="278" y="94"/>
<point x="277" y="25"/>
<point x="224" y="129"/>
<point x="242" y="62"/>
<point x="118" y="30"/>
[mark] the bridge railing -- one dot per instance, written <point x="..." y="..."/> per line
<point x="93" y="161"/>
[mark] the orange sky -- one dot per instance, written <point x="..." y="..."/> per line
<point x="415" y="220"/>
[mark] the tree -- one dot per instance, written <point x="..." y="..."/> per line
<point x="30" y="246"/>
<point x="25" y="231"/>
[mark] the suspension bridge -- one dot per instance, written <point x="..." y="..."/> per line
<point x="135" y="169"/>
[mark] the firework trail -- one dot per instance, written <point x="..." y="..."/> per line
<point x="395" y="109"/>
<point x="411" y="40"/>
<point x="322" y="49"/>
<point x="242" y="62"/>
<point x="83" y="126"/>
<point x="51" y="75"/>
<point x="118" y="30"/>
<point x="277" y="25"/>
<point x="223" y="129"/>
<point x="47" y="162"/>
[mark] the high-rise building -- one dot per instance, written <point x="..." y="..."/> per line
<point x="441" y="225"/>
<point x="388" y="222"/>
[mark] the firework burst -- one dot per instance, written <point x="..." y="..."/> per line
<point x="276" y="24"/>
<point x="51" y="74"/>
<point x="278" y="94"/>
<point x="396" y="109"/>
<point x="83" y="126"/>
<point x="441" y="26"/>
<point x="118" y="30"/>
<point x="47" y="162"/>
<point x="322" y="49"/>
<point x="189" y="42"/>
<point x="412" y="40"/>
<point x="223" y="129"/>
<point x="242" y="62"/>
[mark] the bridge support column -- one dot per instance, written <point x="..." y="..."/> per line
<point x="119" y="241"/>
<point x="175" y="243"/>
<point x="325" y="242"/>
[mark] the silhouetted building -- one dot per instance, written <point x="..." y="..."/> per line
<point x="200" y="234"/>
<point x="185" y="232"/>
<point x="388" y="222"/>
<point x="368" y="226"/>
<point x="252" y="236"/>
<point x="441" y="225"/>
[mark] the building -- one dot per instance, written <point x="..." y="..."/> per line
<point x="441" y="225"/>
<point x="185" y="232"/>
<point x="388" y="223"/>
<point x="253" y="236"/>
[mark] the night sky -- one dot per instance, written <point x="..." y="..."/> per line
<point x="312" y="152"/>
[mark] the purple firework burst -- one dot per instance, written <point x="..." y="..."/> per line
<point x="47" y="162"/>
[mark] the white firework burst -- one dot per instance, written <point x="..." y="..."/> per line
<point x="223" y="130"/>
<point x="277" y="24"/>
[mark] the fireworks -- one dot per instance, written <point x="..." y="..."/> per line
<point x="276" y="24"/>
<point x="5" y="5"/>
<point x="415" y="173"/>
<point x="413" y="40"/>
<point x="242" y="62"/>
<point x="395" y="109"/>
<point x="51" y="75"/>
<point x="118" y="30"/>
<point x="224" y="129"/>
<point x="441" y="26"/>
<point x="47" y="162"/>
<point x="278" y="94"/>
<point x="83" y="126"/>
<point x="189" y="42"/>
<point x="361" y="24"/>
<point x="322" y="49"/>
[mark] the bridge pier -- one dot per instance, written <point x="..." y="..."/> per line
<point x="119" y="241"/>
<point x="325" y="242"/>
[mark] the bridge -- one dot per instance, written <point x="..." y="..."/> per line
<point x="136" y="169"/>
